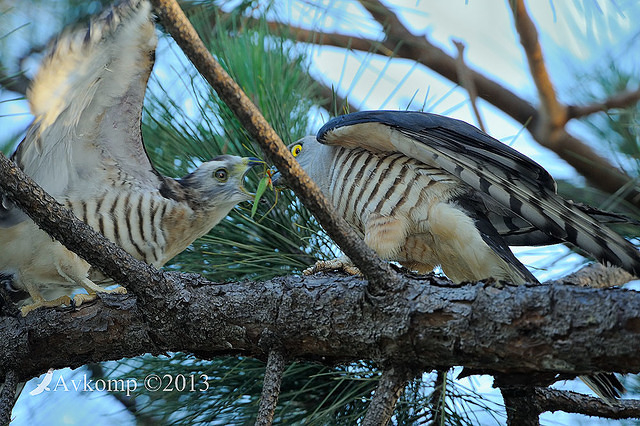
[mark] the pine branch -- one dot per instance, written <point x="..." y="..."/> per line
<point x="520" y="404"/>
<point x="437" y="398"/>
<point x="391" y="385"/>
<point x="571" y="402"/>
<point x="271" y="388"/>
<point x="379" y="274"/>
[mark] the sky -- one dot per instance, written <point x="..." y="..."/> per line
<point x="576" y="37"/>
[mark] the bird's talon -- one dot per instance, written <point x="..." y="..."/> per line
<point x="81" y="298"/>
<point x="62" y="300"/>
<point x="341" y="264"/>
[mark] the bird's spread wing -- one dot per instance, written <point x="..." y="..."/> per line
<point x="519" y="194"/>
<point x="87" y="101"/>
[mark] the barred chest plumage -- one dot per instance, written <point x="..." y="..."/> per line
<point x="362" y="182"/>
<point x="130" y="219"/>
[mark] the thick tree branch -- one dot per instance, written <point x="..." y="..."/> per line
<point x="429" y="324"/>
<point x="7" y="396"/>
<point x="378" y="272"/>
<point x="425" y="323"/>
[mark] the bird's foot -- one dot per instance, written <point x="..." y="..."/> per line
<point x="81" y="298"/>
<point x="62" y="300"/>
<point x="343" y="264"/>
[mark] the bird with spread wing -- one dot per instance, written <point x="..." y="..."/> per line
<point x="426" y="190"/>
<point x="85" y="149"/>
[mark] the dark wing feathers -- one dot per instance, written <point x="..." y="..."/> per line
<point x="519" y="194"/>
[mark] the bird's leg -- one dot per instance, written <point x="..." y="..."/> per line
<point x="39" y="301"/>
<point x="384" y="234"/>
<point x="92" y="290"/>
<point x="91" y="287"/>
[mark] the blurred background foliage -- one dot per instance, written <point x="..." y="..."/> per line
<point x="185" y="123"/>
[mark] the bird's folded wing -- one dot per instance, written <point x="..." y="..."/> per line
<point x="521" y="188"/>
<point x="87" y="101"/>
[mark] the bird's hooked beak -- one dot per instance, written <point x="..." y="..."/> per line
<point x="249" y="163"/>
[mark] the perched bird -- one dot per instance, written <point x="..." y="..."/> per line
<point x="426" y="190"/>
<point x="85" y="149"/>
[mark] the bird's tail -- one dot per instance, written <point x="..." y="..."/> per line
<point x="605" y="385"/>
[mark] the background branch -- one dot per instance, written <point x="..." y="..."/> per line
<point x="553" y="114"/>
<point x="619" y="100"/>
<point x="549" y="399"/>
<point x="467" y="83"/>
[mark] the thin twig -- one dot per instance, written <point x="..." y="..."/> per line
<point x="619" y="100"/>
<point x="467" y="83"/>
<point x="392" y="383"/>
<point x="571" y="402"/>
<point x="379" y="274"/>
<point x="270" y="388"/>
<point x="437" y="398"/>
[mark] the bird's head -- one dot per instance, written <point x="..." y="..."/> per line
<point x="313" y="157"/>
<point x="220" y="182"/>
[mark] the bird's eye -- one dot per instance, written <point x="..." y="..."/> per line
<point x="297" y="148"/>
<point x="221" y="175"/>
